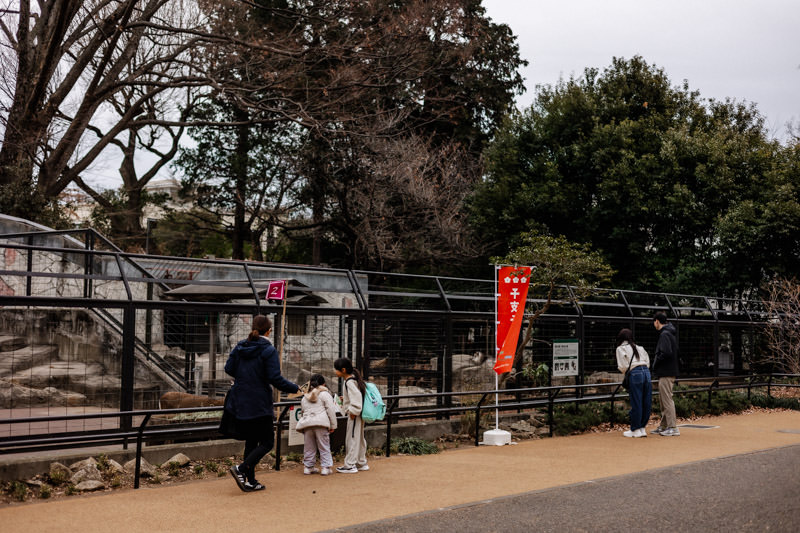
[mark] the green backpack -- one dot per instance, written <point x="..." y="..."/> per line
<point x="374" y="408"/>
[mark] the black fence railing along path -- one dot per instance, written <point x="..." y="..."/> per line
<point x="134" y="425"/>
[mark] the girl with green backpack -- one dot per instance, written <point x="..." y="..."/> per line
<point x="352" y="400"/>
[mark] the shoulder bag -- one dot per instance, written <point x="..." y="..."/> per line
<point x="626" y="381"/>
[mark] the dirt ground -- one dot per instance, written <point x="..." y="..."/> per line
<point x="41" y="488"/>
<point x="402" y="485"/>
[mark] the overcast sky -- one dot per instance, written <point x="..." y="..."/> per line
<point x="743" y="49"/>
<point x="747" y="50"/>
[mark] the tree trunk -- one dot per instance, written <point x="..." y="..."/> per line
<point x="240" y="171"/>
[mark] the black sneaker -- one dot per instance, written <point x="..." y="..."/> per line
<point x="253" y="487"/>
<point x="239" y="477"/>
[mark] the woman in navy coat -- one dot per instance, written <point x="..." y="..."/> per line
<point x="255" y="367"/>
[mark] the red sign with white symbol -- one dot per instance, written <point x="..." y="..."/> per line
<point x="276" y="290"/>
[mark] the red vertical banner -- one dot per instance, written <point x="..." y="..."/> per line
<point x="512" y="291"/>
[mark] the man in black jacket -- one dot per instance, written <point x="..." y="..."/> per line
<point x="665" y="367"/>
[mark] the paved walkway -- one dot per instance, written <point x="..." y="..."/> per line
<point x="402" y="485"/>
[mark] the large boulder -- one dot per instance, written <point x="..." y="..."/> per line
<point x="89" y="472"/>
<point x="59" y="471"/>
<point x="90" y="485"/>
<point x="179" y="458"/>
<point x="89" y="461"/>
<point x="146" y="469"/>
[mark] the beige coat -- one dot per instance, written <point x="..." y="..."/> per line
<point x="318" y="410"/>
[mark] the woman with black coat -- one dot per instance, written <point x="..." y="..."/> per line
<point x="255" y="367"/>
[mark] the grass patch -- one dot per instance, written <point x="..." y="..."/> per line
<point x="413" y="446"/>
<point x="769" y="402"/>
<point x="18" y="490"/>
<point x="174" y="468"/>
<point x="577" y="418"/>
<point x="294" y="457"/>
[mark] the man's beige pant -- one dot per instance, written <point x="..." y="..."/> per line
<point x="665" y="385"/>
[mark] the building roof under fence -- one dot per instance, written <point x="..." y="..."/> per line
<point x="296" y="292"/>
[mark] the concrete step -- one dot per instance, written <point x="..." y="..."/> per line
<point x="14" y="361"/>
<point x="11" y="342"/>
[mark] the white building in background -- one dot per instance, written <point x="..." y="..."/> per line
<point x="78" y="205"/>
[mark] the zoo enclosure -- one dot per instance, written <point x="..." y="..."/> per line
<point x="86" y="328"/>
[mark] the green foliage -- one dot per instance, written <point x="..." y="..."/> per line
<point x="22" y="199"/>
<point x="70" y="490"/>
<point x="118" y="213"/>
<point x="45" y="491"/>
<point x="103" y="463"/>
<point x="555" y="260"/>
<point x="413" y="446"/>
<point x="770" y="402"/>
<point x="623" y="161"/>
<point x="198" y="469"/>
<point x="191" y="233"/>
<point x="375" y="451"/>
<point x="294" y="457"/>
<point x="538" y="374"/>
<point x="18" y="490"/>
<point x="116" y="481"/>
<point x="212" y="466"/>
<point x="696" y="403"/>
<point x="576" y="418"/>
<point x="58" y="477"/>
<point x="174" y="468"/>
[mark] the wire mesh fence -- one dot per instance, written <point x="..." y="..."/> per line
<point x="86" y="328"/>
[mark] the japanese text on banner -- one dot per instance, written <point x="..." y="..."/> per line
<point x="512" y="285"/>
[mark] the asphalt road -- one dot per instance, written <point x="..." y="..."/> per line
<point x="758" y="491"/>
<point x="727" y="473"/>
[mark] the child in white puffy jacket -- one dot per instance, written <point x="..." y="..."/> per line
<point x="317" y="422"/>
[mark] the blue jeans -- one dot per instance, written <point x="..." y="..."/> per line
<point x="641" y="397"/>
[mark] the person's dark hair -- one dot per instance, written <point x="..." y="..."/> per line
<point x="346" y="365"/>
<point x="627" y="335"/>
<point x="261" y="325"/>
<point x="316" y="380"/>
<point x="661" y="317"/>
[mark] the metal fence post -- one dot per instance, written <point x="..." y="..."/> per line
<point x="127" y="374"/>
<point x="139" y="438"/>
<point x="392" y="405"/>
<point x="278" y="436"/>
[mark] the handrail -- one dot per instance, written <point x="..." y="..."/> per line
<point x="120" y="436"/>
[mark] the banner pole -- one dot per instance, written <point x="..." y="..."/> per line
<point x="283" y="327"/>
<point x="496" y="351"/>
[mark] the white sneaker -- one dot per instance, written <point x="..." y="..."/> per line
<point x="326" y="471"/>
<point x="347" y="469"/>
<point x="642" y="432"/>
<point x="630" y="434"/>
<point x="363" y="467"/>
<point x="308" y="471"/>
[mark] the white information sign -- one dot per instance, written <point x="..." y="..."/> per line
<point x="295" y="437"/>
<point x="565" y="357"/>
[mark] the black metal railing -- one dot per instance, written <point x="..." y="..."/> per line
<point x="134" y="425"/>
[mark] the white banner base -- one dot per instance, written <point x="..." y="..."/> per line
<point x="496" y="437"/>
